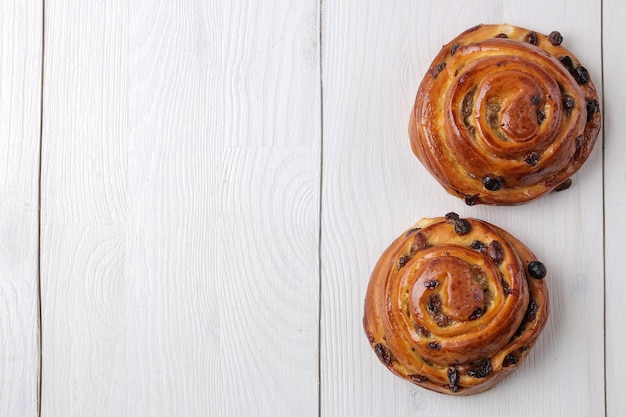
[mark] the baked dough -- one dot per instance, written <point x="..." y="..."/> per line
<point x="455" y="305"/>
<point x="504" y="115"/>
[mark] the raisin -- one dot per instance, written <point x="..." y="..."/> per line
<point x="435" y="71"/>
<point x="422" y="331"/>
<point x="506" y="287"/>
<point x="509" y="360"/>
<point x="564" y="185"/>
<point x="434" y="304"/>
<point x="519" y="330"/>
<point x="476" y="314"/>
<point x="466" y="107"/>
<point x="531" y="159"/>
<point x="496" y="252"/>
<point x="579" y="141"/>
<point x="493" y="182"/>
<point x="480" y="369"/>
<point x="417" y="378"/>
<point x="533" y="307"/>
<point x="567" y="63"/>
<point x="581" y="75"/>
<point x="383" y="353"/>
<point x="541" y="116"/>
<point x="537" y="270"/>
<point x="534" y="100"/>
<point x="452" y="217"/>
<point x="470" y="200"/>
<point x="479" y="276"/>
<point x="441" y="319"/>
<point x="454" y="48"/>
<point x="420" y="243"/>
<point x="555" y="38"/>
<point x="531" y="38"/>
<point x="502" y="36"/>
<point x="461" y="226"/>
<point x="479" y="246"/>
<point x="434" y="346"/>
<point x="410" y="232"/>
<point x="402" y="261"/>
<point x="568" y="104"/>
<point x="592" y="108"/>
<point x="576" y="157"/>
<point x="453" y="378"/>
<point x="431" y="284"/>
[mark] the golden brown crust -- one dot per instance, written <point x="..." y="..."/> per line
<point x="504" y="115"/>
<point x="451" y="305"/>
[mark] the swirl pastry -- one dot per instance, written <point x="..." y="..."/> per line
<point x="504" y="115"/>
<point x="454" y="305"/>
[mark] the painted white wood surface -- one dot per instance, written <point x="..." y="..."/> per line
<point x="374" y="56"/>
<point x="20" y="111"/>
<point x="84" y="202"/>
<point x="182" y="271"/>
<point x="615" y="203"/>
<point x="180" y="208"/>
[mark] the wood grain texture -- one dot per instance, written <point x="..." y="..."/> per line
<point x="180" y="208"/>
<point x="83" y="210"/>
<point x="224" y="187"/>
<point x="374" y="57"/>
<point x="84" y="169"/>
<point x="20" y="112"/>
<point x="84" y="337"/>
<point x="615" y="203"/>
<point x="181" y="188"/>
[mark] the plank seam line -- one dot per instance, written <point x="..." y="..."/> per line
<point x="606" y="403"/>
<point x="39" y="302"/>
<point x="320" y="234"/>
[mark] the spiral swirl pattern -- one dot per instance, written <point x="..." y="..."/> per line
<point x="454" y="305"/>
<point x="504" y="115"/>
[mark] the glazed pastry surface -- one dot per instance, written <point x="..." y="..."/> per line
<point x="455" y="305"/>
<point x="504" y="115"/>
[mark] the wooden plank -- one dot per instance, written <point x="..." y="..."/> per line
<point x="83" y="210"/>
<point x="373" y="60"/>
<point x="614" y="37"/>
<point x="181" y="208"/>
<point x="84" y="332"/>
<point x="20" y="115"/>
<point x="225" y="190"/>
<point x="84" y="171"/>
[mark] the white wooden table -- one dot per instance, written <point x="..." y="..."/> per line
<point x="194" y="192"/>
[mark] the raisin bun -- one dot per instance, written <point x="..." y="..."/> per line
<point x="504" y="115"/>
<point x="455" y="305"/>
